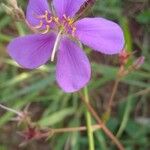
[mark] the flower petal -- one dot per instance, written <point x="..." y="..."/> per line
<point x="31" y="51"/>
<point x="36" y="8"/>
<point x="67" y="7"/>
<point x="73" y="69"/>
<point x="100" y="34"/>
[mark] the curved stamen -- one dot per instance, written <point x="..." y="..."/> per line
<point x="46" y="30"/>
<point x="49" y="20"/>
<point x="66" y="24"/>
<point x="39" y="25"/>
<point x="41" y="16"/>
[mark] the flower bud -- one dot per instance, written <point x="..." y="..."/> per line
<point x="139" y="62"/>
<point x="123" y="57"/>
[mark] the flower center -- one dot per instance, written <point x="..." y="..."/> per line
<point x="49" y="22"/>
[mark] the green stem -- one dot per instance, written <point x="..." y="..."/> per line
<point x="89" y="122"/>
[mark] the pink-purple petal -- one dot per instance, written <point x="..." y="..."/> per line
<point x="67" y="7"/>
<point x="36" y="8"/>
<point x="100" y="34"/>
<point x="31" y="51"/>
<point x="73" y="69"/>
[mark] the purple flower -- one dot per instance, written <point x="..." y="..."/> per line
<point x="58" y="30"/>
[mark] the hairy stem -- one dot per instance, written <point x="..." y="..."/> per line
<point x="115" y="87"/>
<point x="89" y="122"/>
<point x="74" y="129"/>
<point x="102" y="125"/>
<point x="54" y="131"/>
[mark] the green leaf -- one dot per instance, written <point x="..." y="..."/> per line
<point x="56" y="117"/>
<point x="144" y="17"/>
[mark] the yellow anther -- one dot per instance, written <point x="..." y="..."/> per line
<point x="70" y="21"/>
<point x="39" y="25"/>
<point x="46" y="30"/>
<point x="65" y="25"/>
<point x="56" y="19"/>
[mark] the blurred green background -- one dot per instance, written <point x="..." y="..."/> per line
<point x="50" y="107"/>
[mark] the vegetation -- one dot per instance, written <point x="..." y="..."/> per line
<point x="52" y="108"/>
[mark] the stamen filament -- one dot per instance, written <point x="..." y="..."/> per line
<point x="39" y="25"/>
<point x="42" y="16"/>
<point x="49" y="20"/>
<point x="57" y="42"/>
<point x="46" y="30"/>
